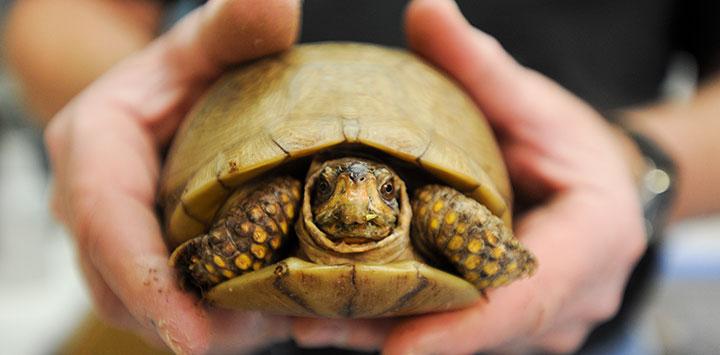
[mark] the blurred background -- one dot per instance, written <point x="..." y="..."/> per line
<point x="43" y="297"/>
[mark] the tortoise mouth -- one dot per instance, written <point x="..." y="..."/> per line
<point x="356" y="233"/>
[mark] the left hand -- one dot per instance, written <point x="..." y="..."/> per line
<point x="586" y="230"/>
<point x="105" y="149"/>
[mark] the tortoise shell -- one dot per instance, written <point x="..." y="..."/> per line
<point x="318" y="97"/>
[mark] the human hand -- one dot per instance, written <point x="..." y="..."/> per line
<point x="585" y="230"/>
<point x="104" y="148"/>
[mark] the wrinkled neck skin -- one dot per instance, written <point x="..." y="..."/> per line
<point x="346" y="217"/>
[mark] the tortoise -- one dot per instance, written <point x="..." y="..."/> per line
<point x="339" y="180"/>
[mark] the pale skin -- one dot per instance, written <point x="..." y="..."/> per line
<point x="584" y="260"/>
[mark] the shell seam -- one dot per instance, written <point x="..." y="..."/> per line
<point x="421" y="285"/>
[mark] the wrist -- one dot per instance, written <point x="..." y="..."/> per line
<point x="654" y="174"/>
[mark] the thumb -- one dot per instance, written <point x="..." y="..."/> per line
<point x="178" y="66"/>
<point x="512" y="96"/>
<point x="226" y="32"/>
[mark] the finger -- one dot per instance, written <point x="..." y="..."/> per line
<point x="514" y="98"/>
<point x="525" y="107"/>
<point x="358" y="334"/>
<point x="108" y="307"/>
<point x="133" y="260"/>
<point x="110" y="198"/>
<point x="156" y="86"/>
<point x="248" y="331"/>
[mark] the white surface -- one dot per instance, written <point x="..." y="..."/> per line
<point x="42" y="295"/>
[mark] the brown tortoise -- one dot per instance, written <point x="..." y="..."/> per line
<point x="364" y="127"/>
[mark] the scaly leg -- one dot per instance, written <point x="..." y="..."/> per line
<point x="451" y="228"/>
<point x="246" y="236"/>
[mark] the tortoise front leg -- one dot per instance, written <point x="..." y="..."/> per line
<point x="451" y="228"/>
<point x="247" y="235"/>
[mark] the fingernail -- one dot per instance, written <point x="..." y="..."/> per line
<point x="171" y="341"/>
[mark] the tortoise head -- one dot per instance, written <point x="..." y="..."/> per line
<point x="355" y="200"/>
<point x="354" y="210"/>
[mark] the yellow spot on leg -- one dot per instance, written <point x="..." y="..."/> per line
<point x="284" y="198"/>
<point x="475" y="246"/>
<point x="497" y="252"/>
<point x="258" y="250"/>
<point x="472" y="262"/>
<point x="228" y="274"/>
<point x="256" y="213"/>
<point x="246" y="227"/>
<point x="492" y="239"/>
<point x="275" y="243"/>
<point x="460" y="228"/>
<point x="455" y="243"/>
<point x="491" y="268"/>
<point x="450" y="218"/>
<point x="271" y="209"/>
<point x="284" y="227"/>
<point x="434" y="224"/>
<point x="290" y="211"/>
<point x="259" y="235"/>
<point x="257" y="265"/>
<point x="210" y="268"/>
<point x="437" y="206"/>
<point x="218" y="261"/>
<point x="243" y="261"/>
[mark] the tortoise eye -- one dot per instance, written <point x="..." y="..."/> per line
<point x="322" y="189"/>
<point x="387" y="190"/>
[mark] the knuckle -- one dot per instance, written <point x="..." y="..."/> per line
<point x="605" y="309"/>
<point x="564" y="343"/>
<point x="492" y="49"/>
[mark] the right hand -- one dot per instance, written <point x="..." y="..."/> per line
<point x="105" y="153"/>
